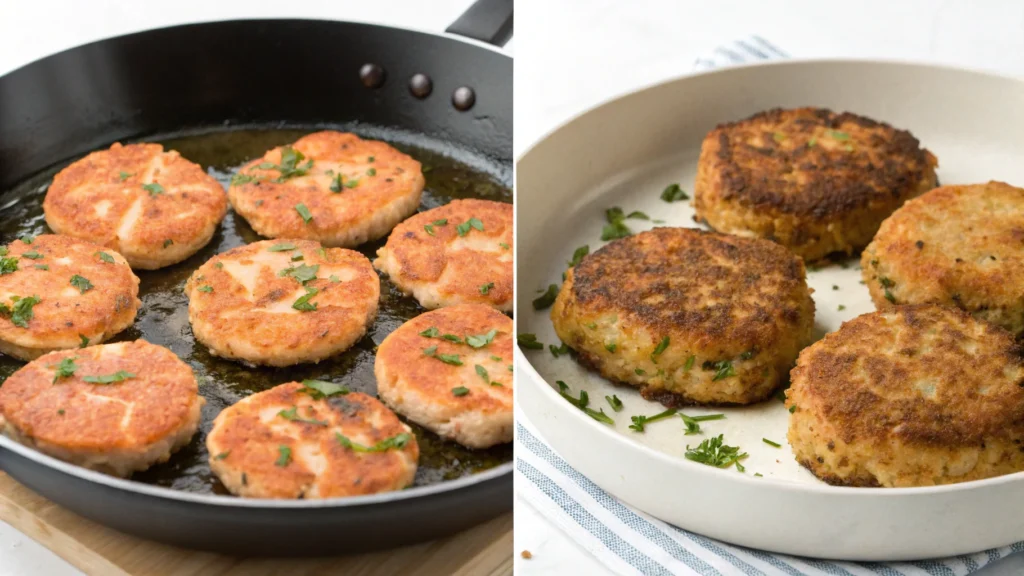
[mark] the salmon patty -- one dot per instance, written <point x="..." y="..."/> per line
<point x="282" y="302"/>
<point x="459" y="253"/>
<point x="311" y="440"/>
<point x="57" y="292"/>
<point x="687" y="316"/>
<point x="116" y="408"/>
<point x="815" y="181"/>
<point x="912" y="396"/>
<point x="153" y="206"/>
<point x="960" y="246"/>
<point x="450" y="371"/>
<point x="332" y="187"/>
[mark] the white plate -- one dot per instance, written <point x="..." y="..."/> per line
<point x="624" y="153"/>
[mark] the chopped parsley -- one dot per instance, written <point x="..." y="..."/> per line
<point x="284" y="455"/>
<point x="370" y="159"/>
<point x="429" y="228"/>
<point x="222" y="455"/>
<point x="546" y="299"/>
<point x="659" y="349"/>
<point x="8" y="266"/>
<point x="486" y="288"/>
<point x="616" y="227"/>
<point x="582" y="402"/>
<point x="292" y="414"/>
<point x="4" y="250"/>
<point x="770" y="443"/>
<point x="32" y="255"/>
<point x="320" y="389"/>
<point x="84" y="341"/>
<point x="838" y="135"/>
<point x="689" y="362"/>
<point x="557" y="351"/>
<point x="371" y="172"/>
<point x="206" y="289"/>
<point x="714" y="452"/>
<point x="792" y="408"/>
<point x="123" y="176"/>
<point x="337" y="185"/>
<point x="397" y="441"/>
<point x="504" y="245"/>
<point x="81" y="283"/>
<point x="21" y="311"/>
<point x="282" y="247"/>
<point x="481" y="340"/>
<point x="218" y="265"/>
<point x="65" y="369"/>
<point x="153" y="188"/>
<point x="334" y="278"/>
<point x="118" y="376"/>
<point x="303" y="303"/>
<point x="640" y="421"/>
<point x="290" y="166"/>
<point x="723" y="369"/>
<point x="611" y="346"/>
<point x="431" y="332"/>
<point x="105" y="257"/>
<point x="674" y="193"/>
<point x="614" y="402"/>
<point x="482" y="372"/>
<point x="240" y="179"/>
<point x="889" y="296"/>
<point x="168" y="242"/>
<point x="301" y="273"/>
<point x="27" y="238"/>
<point x="460" y="391"/>
<point x="841" y="308"/>
<point x="693" y="422"/>
<point x="529" y="341"/>
<point x="452" y="359"/>
<point x="578" y="255"/>
<point x="638" y="215"/>
<point x="304" y="212"/>
<point x="463" y="229"/>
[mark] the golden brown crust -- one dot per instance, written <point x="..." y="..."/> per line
<point x="916" y="395"/>
<point x="960" y="246"/>
<point x="811" y="179"/>
<point x="73" y="414"/>
<point x="65" y="313"/>
<point x="388" y="190"/>
<point x="420" y="386"/>
<point x="241" y="306"/>
<point x="720" y="301"/>
<point x="246" y="439"/>
<point x="444" y="268"/>
<point x="91" y="200"/>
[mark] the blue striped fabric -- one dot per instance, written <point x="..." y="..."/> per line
<point x="630" y="542"/>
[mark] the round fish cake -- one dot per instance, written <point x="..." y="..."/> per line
<point x="450" y="371"/>
<point x="815" y="181"/>
<point x="57" y="292"/>
<point x="332" y="187"/>
<point x="282" y="302"/>
<point x="912" y="396"/>
<point x="116" y="408"/>
<point x="154" y="207"/>
<point x="311" y="440"/>
<point x="459" y="253"/>
<point x="960" y="246"/>
<point x="687" y="316"/>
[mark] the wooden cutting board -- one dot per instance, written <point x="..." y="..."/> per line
<point x="485" y="550"/>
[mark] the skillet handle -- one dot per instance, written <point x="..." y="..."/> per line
<point x="486" y="20"/>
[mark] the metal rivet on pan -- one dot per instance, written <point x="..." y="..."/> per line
<point x="463" y="98"/>
<point x="372" y="75"/>
<point x="421" y="86"/>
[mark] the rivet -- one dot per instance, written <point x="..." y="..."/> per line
<point x="372" y="75"/>
<point x="463" y="98"/>
<point x="421" y="86"/>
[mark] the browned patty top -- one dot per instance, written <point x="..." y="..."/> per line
<point x="707" y="285"/>
<point x="921" y="374"/>
<point x="815" y="162"/>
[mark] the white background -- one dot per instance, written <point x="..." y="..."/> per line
<point x="35" y="28"/>
<point x="573" y="54"/>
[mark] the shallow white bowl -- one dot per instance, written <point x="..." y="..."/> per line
<point x="624" y="153"/>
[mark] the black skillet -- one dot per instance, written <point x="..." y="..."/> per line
<point x="447" y="98"/>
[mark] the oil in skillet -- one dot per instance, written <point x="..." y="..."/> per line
<point x="163" y="317"/>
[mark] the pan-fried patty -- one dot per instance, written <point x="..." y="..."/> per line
<point x="282" y="302"/>
<point x="459" y="253"/>
<point x="913" y="396"/>
<point x="154" y="207"/>
<point x="960" y="246"/>
<point x="810" y="179"/>
<point x="116" y="408"/>
<point x="332" y="187"/>
<point x="689" y="317"/>
<point x="57" y="292"/>
<point x="450" y="371"/>
<point x="311" y="440"/>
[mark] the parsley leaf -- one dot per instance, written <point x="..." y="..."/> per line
<point x="723" y="369"/>
<point x="81" y="283"/>
<point x="320" y="389"/>
<point x="659" y="349"/>
<point x="713" y="452"/>
<point x="105" y="257"/>
<point x="616" y="227"/>
<point x="546" y="299"/>
<point x="153" y="188"/>
<point x="84" y="341"/>
<point x="693" y="422"/>
<point x="282" y="247"/>
<point x="463" y="229"/>
<point x="118" y="376"/>
<point x="614" y="402"/>
<point x="430" y="227"/>
<point x="673" y="193"/>
<point x="482" y="372"/>
<point x="582" y="403"/>
<point x="8" y="266"/>
<point x="486" y="288"/>
<point x="31" y="255"/>
<point x="21" y="312"/>
<point x="123" y="176"/>
<point x="529" y="341"/>
<point x="452" y="359"/>
<point x="397" y="441"/>
<point x="65" y="369"/>
<point x="304" y="212"/>
<point x="481" y="340"/>
<point x="460" y="391"/>
<point x="640" y="421"/>
<point x="303" y="303"/>
<point x="284" y="455"/>
<point x="578" y="255"/>
<point x="301" y="273"/>
<point x="292" y="414"/>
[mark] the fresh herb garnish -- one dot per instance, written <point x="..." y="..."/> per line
<point x="481" y="340"/>
<point x="582" y="403"/>
<point x="123" y="176"/>
<point x="430" y="227"/>
<point x="240" y="179"/>
<point x="371" y="172"/>
<point x="118" y="376"/>
<point x="841" y="308"/>
<point x="614" y="402"/>
<point x="452" y="338"/>
<point x="304" y="212"/>
<point x="396" y="441"/>
<point x="21" y="311"/>
<point x="460" y="391"/>
<point x="27" y="238"/>
<point x="8" y="266"/>
<point x="578" y="255"/>
<point x="431" y="332"/>
<point x="673" y="193"/>
<point x="84" y="341"/>
<point x="81" y="283"/>
<point x="722" y="368"/>
<point x="474" y="222"/>
<point x="770" y="443"/>
<point x="638" y="215"/>
<point x="714" y="452"/>
<point x="65" y="369"/>
<point x="482" y="372"/>
<point x="611" y="346"/>
<point x="838" y="135"/>
<point x="659" y="349"/>
<point x="293" y="415"/>
<point x="320" y="389"/>
<point x="290" y="166"/>
<point x="689" y="362"/>
<point x="168" y="242"/>
<point x="792" y="408"/>
<point x="452" y="359"/>
<point x="303" y="303"/>
<point x="486" y="288"/>
<point x="337" y="185"/>
<point x="693" y="422"/>
<point x="504" y="245"/>
<point x="284" y="455"/>
<point x="616" y="227"/>
<point x="529" y="341"/>
<point x="153" y="188"/>
<point x="222" y="455"/>
<point x="557" y="351"/>
<point x="282" y="247"/>
<point x="546" y="299"/>
<point x="105" y="257"/>
<point x="301" y="273"/>
<point x="640" y="421"/>
<point x="206" y="289"/>
<point x="31" y="255"/>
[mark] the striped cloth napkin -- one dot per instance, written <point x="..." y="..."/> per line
<point x="628" y="541"/>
